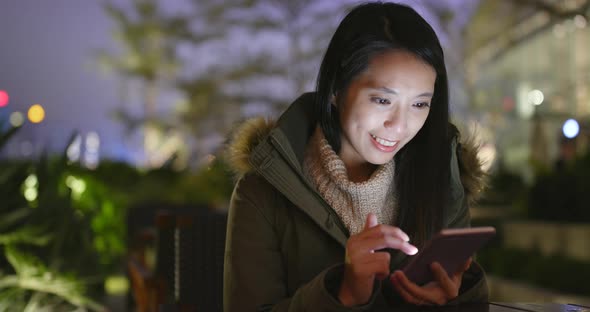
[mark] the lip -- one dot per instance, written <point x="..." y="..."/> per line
<point x="383" y="148"/>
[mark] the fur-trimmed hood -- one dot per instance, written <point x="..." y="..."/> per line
<point x="243" y="140"/>
<point x="250" y="133"/>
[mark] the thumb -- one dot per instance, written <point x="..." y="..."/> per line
<point x="371" y="221"/>
<point x="467" y="264"/>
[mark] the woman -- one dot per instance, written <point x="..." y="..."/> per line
<point x="352" y="179"/>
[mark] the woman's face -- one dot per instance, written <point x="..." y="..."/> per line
<point x="384" y="108"/>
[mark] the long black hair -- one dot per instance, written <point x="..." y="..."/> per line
<point x="422" y="176"/>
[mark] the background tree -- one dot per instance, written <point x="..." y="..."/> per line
<point x="202" y="69"/>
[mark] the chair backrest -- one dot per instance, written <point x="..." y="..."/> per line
<point x="190" y="245"/>
<point x="165" y="253"/>
<point x="200" y="243"/>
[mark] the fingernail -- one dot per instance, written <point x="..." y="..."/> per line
<point x="413" y="250"/>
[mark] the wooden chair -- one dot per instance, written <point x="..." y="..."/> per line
<point x="152" y="283"/>
<point x="200" y="255"/>
<point x="188" y="271"/>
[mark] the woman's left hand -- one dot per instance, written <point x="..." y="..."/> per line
<point x="437" y="292"/>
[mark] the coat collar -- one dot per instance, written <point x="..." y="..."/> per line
<point x="297" y="125"/>
<point x="275" y="150"/>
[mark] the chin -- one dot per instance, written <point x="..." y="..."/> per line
<point x="380" y="160"/>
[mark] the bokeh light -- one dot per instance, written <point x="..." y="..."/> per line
<point x="36" y="113"/>
<point x="31" y="181"/>
<point x="571" y="128"/>
<point x="3" y="98"/>
<point x="116" y="285"/>
<point x="536" y="97"/>
<point x="78" y="186"/>
<point x="92" y="142"/>
<point x="31" y="194"/>
<point x="580" y="21"/>
<point x="73" y="150"/>
<point x="17" y="119"/>
<point x="92" y="148"/>
<point x="30" y="186"/>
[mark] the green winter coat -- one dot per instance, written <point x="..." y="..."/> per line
<point x="285" y="245"/>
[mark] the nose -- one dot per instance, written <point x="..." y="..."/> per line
<point x="397" y="121"/>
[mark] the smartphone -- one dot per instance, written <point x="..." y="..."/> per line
<point x="451" y="248"/>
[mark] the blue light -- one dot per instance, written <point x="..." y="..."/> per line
<point x="571" y="128"/>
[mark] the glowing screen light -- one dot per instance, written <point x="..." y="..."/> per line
<point x="3" y="98"/>
<point x="36" y="113"/>
<point x="571" y="128"/>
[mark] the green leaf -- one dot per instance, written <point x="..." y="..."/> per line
<point x="14" y="216"/>
<point x="34" y="235"/>
<point x="5" y="136"/>
<point x="32" y="275"/>
<point x="12" y="299"/>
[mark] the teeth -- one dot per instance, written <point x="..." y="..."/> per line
<point x="382" y="141"/>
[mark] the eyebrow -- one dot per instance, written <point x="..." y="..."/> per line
<point x="388" y="90"/>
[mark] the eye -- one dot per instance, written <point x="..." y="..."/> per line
<point x="422" y="105"/>
<point x="380" y="101"/>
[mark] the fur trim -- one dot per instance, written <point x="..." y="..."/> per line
<point x="250" y="133"/>
<point x="473" y="177"/>
<point x="243" y="140"/>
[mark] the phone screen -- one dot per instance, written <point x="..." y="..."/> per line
<point x="451" y="248"/>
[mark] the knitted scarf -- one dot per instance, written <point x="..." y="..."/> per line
<point x="352" y="201"/>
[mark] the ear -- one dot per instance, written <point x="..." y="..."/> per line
<point x="334" y="99"/>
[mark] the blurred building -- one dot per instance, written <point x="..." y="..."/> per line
<point x="528" y="73"/>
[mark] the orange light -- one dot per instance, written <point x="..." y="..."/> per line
<point x="36" y="113"/>
<point x="3" y="98"/>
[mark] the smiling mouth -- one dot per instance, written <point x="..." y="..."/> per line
<point x="384" y="142"/>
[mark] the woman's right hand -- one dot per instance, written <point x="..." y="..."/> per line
<point x="363" y="265"/>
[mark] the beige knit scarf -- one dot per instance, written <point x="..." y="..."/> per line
<point x="351" y="201"/>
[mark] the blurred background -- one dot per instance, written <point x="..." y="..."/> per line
<point x="114" y="113"/>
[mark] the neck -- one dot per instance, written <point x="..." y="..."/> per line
<point x="360" y="172"/>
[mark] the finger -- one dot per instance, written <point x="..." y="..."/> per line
<point x="458" y="276"/>
<point x="375" y="265"/>
<point x="467" y="265"/>
<point x="386" y="230"/>
<point x="371" y="221"/>
<point x="426" y="295"/>
<point x="448" y="285"/>
<point x="406" y="296"/>
<point x="376" y="243"/>
<point x="381" y="264"/>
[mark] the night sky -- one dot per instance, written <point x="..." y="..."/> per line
<point x="46" y="57"/>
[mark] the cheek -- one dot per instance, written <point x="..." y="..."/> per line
<point x="366" y="122"/>
<point x="357" y="119"/>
